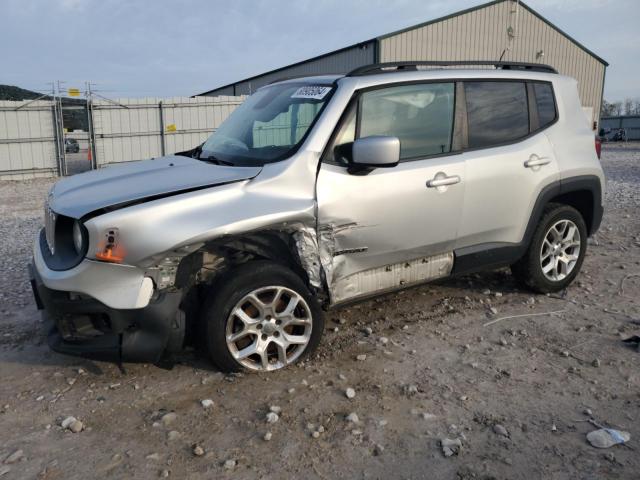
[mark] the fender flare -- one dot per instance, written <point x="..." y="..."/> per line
<point x="495" y="255"/>
<point x="590" y="183"/>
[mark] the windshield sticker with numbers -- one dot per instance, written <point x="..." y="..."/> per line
<point x="315" y="92"/>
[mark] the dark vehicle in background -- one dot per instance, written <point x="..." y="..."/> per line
<point x="620" y="135"/>
<point x="613" y="135"/>
<point x="71" y="145"/>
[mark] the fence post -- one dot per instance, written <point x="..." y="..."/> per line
<point x="162" y="147"/>
<point x="92" y="136"/>
<point x="61" y="136"/>
<point x="56" y="135"/>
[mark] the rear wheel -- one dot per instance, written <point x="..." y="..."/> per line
<point x="556" y="252"/>
<point x="262" y="317"/>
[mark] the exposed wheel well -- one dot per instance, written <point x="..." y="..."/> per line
<point x="225" y="253"/>
<point x="276" y="246"/>
<point x="581" y="200"/>
<point x="202" y="270"/>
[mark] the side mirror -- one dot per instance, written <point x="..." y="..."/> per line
<point x="376" y="152"/>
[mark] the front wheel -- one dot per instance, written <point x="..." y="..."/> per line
<point x="261" y="317"/>
<point x="556" y="252"/>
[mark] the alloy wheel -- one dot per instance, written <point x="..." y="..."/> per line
<point x="269" y="328"/>
<point x="560" y="250"/>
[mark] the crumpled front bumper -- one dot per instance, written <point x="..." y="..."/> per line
<point x="83" y="326"/>
<point x="115" y="285"/>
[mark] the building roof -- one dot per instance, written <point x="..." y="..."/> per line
<point x="407" y="29"/>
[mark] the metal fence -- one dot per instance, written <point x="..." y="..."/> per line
<point x="28" y="140"/>
<point x="629" y="123"/>
<point x="33" y="142"/>
<point x="133" y="129"/>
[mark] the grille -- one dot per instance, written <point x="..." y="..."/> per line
<point x="50" y="227"/>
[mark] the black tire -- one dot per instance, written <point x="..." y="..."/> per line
<point x="231" y="288"/>
<point x="528" y="270"/>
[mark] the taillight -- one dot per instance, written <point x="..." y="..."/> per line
<point x="598" y="147"/>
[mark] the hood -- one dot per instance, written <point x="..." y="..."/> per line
<point x="81" y="194"/>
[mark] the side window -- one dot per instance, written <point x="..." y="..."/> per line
<point x="497" y="112"/>
<point x="545" y="103"/>
<point x="421" y="116"/>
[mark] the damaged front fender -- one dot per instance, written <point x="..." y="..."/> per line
<point x="309" y="254"/>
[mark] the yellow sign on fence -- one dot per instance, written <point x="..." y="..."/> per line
<point x="171" y="127"/>
<point x="74" y="92"/>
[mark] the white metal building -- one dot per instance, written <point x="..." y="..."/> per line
<point x="507" y="30"/>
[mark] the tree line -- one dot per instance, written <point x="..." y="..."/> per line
<point x="73" y="119"/>
<point x="630" y="106"/>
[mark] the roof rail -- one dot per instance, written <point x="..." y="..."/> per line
<point x="306" y="75"/>
<point x="400" y="66"/>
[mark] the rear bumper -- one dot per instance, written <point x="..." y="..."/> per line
<point x="83" y="326"/>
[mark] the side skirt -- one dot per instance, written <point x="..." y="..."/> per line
<point x="488" y="256"/>
<point x="391" y="277"/>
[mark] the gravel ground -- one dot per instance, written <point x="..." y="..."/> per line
<point x="21" y="211"/>
<point x="513" y="398"/>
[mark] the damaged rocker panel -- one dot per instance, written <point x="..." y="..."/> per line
<point x="350" y="250"/>
<point x="391" y="277"/>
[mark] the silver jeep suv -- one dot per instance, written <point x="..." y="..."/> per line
<point x="316" y="192"/>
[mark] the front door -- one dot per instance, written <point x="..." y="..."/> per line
<point x="391" y="227"/>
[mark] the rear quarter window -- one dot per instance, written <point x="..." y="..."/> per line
<point x="545" y="103"/>
<point x="497" y="112"/>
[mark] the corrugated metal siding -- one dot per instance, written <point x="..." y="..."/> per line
<point x="27" y="141"/>
<point x="622" y="121"/>
<point x="124" y="134"/>
<point x="278" y="130"/>
<point x="195" y="119"/>
<point x="134" y="133"/>
<point x="482" y="35"/>
<point x="338" y="62"/>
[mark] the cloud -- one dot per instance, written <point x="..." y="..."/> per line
<point x="571" y="5"/>
<point x="72" y="4"/>
<point x="181" y="47"/>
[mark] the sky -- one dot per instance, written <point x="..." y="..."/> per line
<point x="163" y="48"/>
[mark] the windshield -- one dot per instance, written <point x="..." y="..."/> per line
<point x="269" y="126"/>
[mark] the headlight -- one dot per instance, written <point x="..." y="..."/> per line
<point x="78" y="237"/>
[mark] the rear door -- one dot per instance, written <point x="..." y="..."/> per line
<point x="392" y="226"/>
<point x="508" y="157"/>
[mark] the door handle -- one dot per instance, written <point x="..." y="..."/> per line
<point x="536" y="161"/>
<point x="443" y="181"/>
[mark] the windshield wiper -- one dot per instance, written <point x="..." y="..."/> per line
<point x="217" y="161"/>
<point x="193" y="153"/>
